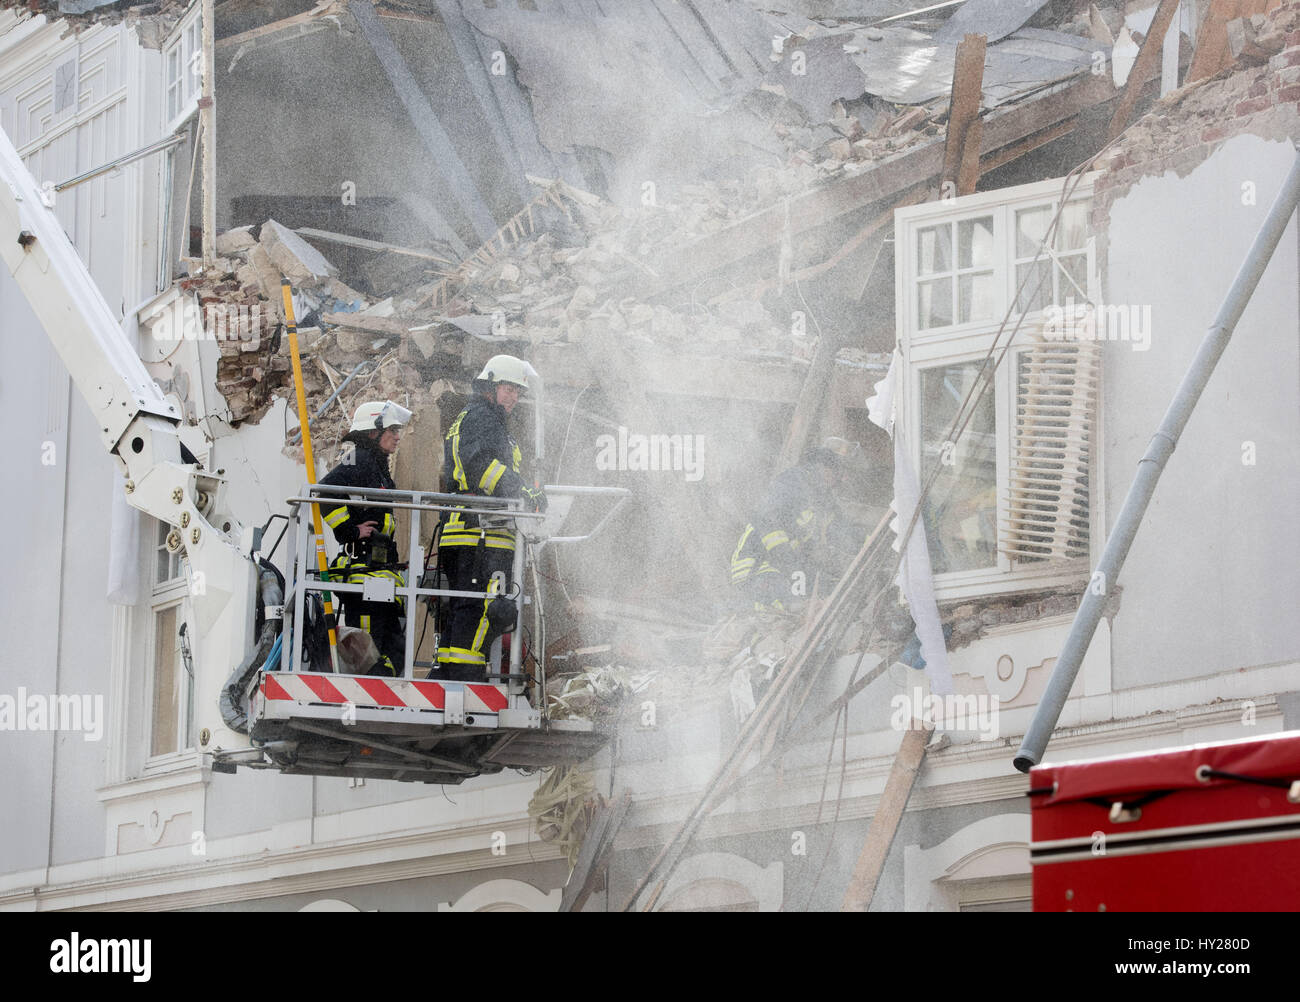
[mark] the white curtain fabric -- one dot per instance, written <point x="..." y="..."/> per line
<point x="915" y="576"/>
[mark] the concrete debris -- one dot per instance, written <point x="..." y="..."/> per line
<point x="297" y="260"/>
<point x="153" y="21"/>
<point x="234" y="241"/>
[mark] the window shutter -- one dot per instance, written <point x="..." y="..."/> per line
<point x="1047" y="516"/>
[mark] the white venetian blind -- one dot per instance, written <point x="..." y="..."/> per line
<point x="1048" y="495"/>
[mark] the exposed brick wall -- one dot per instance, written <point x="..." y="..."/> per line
<point x="1186" y="126"/>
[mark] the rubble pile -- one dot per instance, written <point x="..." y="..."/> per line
<point x="557" y="285"/>
<point x="152" y="21"/>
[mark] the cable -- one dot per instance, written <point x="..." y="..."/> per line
<point x="559" y="460"/>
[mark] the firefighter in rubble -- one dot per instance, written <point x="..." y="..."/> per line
<point x="781" y="550"/>
<point x="365" y="534"/>
<point x="480" y="457"/>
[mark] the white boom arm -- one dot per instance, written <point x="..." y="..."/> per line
<point x="139" y="428"/>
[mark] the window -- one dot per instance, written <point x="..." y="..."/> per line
<point x="171" y="686"/>
<point x="183" y="70"/>
<point x="1008" y="509"/>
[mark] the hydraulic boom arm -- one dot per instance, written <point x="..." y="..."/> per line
<point x="139" y="428"/>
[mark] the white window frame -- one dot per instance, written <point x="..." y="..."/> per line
<point x="172" y="593"/>
<point x="970" y="341"/>
<point x="184" y="48"/>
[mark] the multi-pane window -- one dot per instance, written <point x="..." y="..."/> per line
<point x="183" y="69"/>
<point x="1060" y="270"/>
<point x="955" y="287"/>
<point x="171" y="728"/>
<point x="1006" y="439"/>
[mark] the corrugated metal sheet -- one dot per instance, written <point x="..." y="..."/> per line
<point x="910" y="67"/>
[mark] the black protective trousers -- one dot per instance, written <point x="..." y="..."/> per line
<point x="467" y="630"/>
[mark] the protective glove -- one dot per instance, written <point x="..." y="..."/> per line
<point x="536" y="498"/>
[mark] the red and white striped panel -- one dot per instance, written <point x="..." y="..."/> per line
<point x="304" y="687"/>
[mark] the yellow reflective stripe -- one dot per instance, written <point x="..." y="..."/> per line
<point x="491" y="476"/>
<point x="336" y="517"/>
<point x="472" y="538"/>
<point x="744" y="538"/>
<point x="389" y="525"/>
<point x="805" y="517"/>
<point x="740" y="569"/>
<point x="459" y="655"/>
<point x="481" y="633"/>
<point x="774" y="539"/>
<point x="365" y="623"/>
<point x="458" y="470"/>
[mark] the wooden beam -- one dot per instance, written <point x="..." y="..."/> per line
<point x="1017" y="150"/>
<point x="350" y="241"/>
<point x="593" y="857"/>
<point x="326" y="7"/>
<point x="1148" y="59"/>
<point x="884" y="824"/>
<point x="380" y="326"/>
<point x="961" y="151"/>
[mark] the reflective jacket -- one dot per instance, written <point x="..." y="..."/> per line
<point x="784" y="534"/>
<point x="367" y="466"/>
<point x="480" y="457"/>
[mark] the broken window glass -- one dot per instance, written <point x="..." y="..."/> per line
<point x="961" y="511"/>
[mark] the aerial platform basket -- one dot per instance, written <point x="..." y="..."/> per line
<point x="306" y="720"/>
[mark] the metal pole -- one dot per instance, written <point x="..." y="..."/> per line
<point x="1150" y="467"/>
<point x="159" y="147"/>
<point x="291" y="325"/>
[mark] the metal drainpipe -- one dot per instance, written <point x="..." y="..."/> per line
<point x="1149" y="469"/>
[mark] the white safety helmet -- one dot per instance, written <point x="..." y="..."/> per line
<point x="504" y="369"/>
<point x="379" y="414"/>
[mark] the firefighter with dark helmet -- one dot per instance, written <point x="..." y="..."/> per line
<point x="481" y="457"/>
<point x="783" y="546"/>
<point x="365" y="534"/>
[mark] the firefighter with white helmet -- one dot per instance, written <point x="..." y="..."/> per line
<point x="481" y="457"/>
<point x="365" y="534"/>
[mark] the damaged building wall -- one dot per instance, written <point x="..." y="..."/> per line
<point x="315" y="122"/>
<point x="1213" y="576"/>
<point x="1199" y="172"/>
